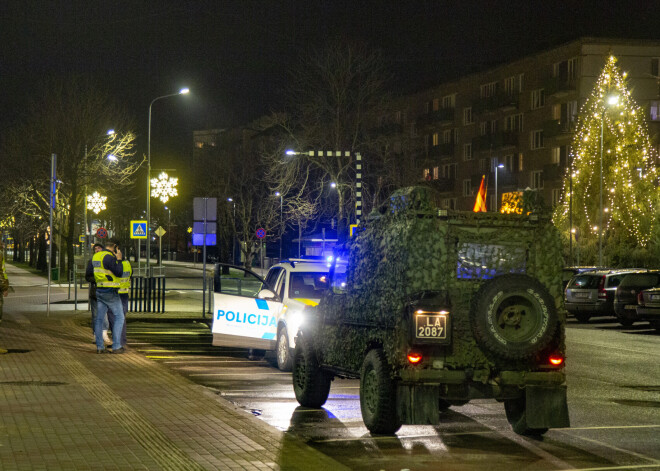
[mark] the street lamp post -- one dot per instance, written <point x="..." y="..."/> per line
<point x="183" y="91"/>
<point x="169" y="234"/>
<point x="281" y="231"/>
<point x="233" y="237"/>
<point x="612" y="100"/>
<point x="497" y="167"/>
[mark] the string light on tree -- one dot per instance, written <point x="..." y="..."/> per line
<point x="629" y="172"/>
<point x="96" y="202"/>
<point x="164" y="187"/>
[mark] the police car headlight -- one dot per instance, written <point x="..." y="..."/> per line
<point x="296" y="319"/>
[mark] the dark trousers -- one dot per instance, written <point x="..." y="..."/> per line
<point x="111" y="317"/>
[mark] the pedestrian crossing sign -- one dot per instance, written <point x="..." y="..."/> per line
<point x="138" y="229"/>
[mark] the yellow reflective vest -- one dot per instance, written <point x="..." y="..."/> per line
<point x="104" y="278"/>
<point x="125" y="280"/>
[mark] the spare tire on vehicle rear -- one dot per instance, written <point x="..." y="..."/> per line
<point x="513" y="316"/>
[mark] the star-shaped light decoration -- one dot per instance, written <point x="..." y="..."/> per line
<point x="164" y="186"/>
<point x="96" y="202"/>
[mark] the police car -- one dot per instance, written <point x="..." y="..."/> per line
<point x="257" y="313"/>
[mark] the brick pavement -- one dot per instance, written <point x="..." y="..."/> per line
<point x="62" y="406"/>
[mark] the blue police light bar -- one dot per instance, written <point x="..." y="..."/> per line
<point x="198" y="239"/>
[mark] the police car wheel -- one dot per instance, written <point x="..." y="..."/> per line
<point x="378" y="395"/>
<point x="283" y="351"/>
<point x="517" y="417"/>
<point x="311" y="384"/>
<point x="513" y="316"/>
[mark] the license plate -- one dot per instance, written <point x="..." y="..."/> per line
<point x="630" y="306"/>
<point x="431" y="326"/>
<point x="654" y="297"/>
<point x="581" y="295"/>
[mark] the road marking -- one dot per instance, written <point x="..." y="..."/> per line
<point x="612" y="447"/>
<point x="605" y="427"/>
<point x="255" y="362"/>
<point x="240" y="374"/>
<point x="628" y="350"/>
<point x="608" y="468"/>
<point x="168" y="332"/>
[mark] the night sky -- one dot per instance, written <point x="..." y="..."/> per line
<point x="234" y="54"/>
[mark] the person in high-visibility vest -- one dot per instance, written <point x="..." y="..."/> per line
<point x="91" y="295"/>
<point x="108" y="270"/>
<point x="124" y="288"/>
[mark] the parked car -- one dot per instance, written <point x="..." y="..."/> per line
<point x="648" y="307"/>
<point x="625" y="298"/>
<point x="591" y="294"/>
<point x="569" y="272"/>
<point x="265" y="314"/>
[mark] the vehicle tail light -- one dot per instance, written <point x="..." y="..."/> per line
<point x="414" y="357"/>
<point x="556" y="359"/>
<point x="640" y="298"/>
<point x="602" y="294"/>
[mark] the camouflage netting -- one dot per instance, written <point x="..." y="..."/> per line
<point x="407" y="248"/>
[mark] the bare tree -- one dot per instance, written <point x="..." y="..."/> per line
<point x="70" y="118"/>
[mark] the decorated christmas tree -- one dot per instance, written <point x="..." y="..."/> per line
<point x="611" y="132"/>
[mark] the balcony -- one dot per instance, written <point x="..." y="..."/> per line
<point x="556" y="128"/>
<point x="442" y="150"/>
<point x="559" y="86"/>
<point x="500" y="101"/>
<point x="441" y="116"/>
<point x="495" y="140"/>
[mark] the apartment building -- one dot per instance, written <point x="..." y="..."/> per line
<point x="517" y="119"/>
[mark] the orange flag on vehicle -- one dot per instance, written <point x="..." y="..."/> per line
<point x="480" y="203"/>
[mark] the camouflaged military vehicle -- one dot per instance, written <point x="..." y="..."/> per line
<point x="433" y="308"/>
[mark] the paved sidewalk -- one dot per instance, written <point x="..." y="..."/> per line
<point x="62" y="406"/>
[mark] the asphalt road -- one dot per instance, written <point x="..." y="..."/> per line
<point x="613" y="388"/>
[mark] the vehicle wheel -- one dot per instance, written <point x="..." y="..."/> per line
<point x="624" y="321"/>
<point x="378" y="395"/>
<point x="655" y="325"/>
<point x="513" y="316"/>
<point x="310" y="383"/>
<point x="582" y="318"/>
<point x="283" y="351"/>
<point x="515" y="414"/>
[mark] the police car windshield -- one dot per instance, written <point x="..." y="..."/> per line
<point x="307" y="285"/>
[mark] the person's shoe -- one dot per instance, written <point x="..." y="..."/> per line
<point x="119" y="350"/>
<point x="101" y="350"/>
<point x="106" y="339"/>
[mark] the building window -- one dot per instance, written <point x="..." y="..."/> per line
<point x="467" y="151"/>
<point x="556" y="196"/>
<point x="447" y="136"/>
<point x="483" y="165"/>
<point x="436" y="172"/>
<point x="426" y="173"/>
<point x="537" y="179"/>
<point x="413" y="129"/>
<point x="467" y="115"/>
<point x="449" y="171"/>
<point x="536" y="138"/>
<point x="467" y="187"/>
<point x="488" y="89"/>
<point x="572" y="68"/>
<point x="488" y="127"/>
<point x="654" y="111"/>
<point x="449" y="203"/>
<point x="436" y="140"/>
<point x="655" y="66"/>
<point x="513" y="84"/>
<point x="538" y="98"/>
<point x="436" y="104"/>
<point x="449" y="101"/>
<point x="556" y="156"/>
<point x="513" y="122"/>
<point x="513" y="163"/>
<point x="397" y="117"/>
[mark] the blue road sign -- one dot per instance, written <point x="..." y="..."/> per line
<point x="138" y="229"/>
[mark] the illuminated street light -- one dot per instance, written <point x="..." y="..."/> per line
<point x="164" y="187"/>
<point x="96" y="202"/>
<point x="183" y="91"/>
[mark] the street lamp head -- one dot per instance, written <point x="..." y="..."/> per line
<point x="112" y="157"/>
<point x="333" y="185"/>
<point x="184" y="91"/>
<point x="110" y="132"/>
<point x="230" y="199"/>
<point x="277" y="193"/>
<point x="613" y="100"/>
<point x="291" y="152"/>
